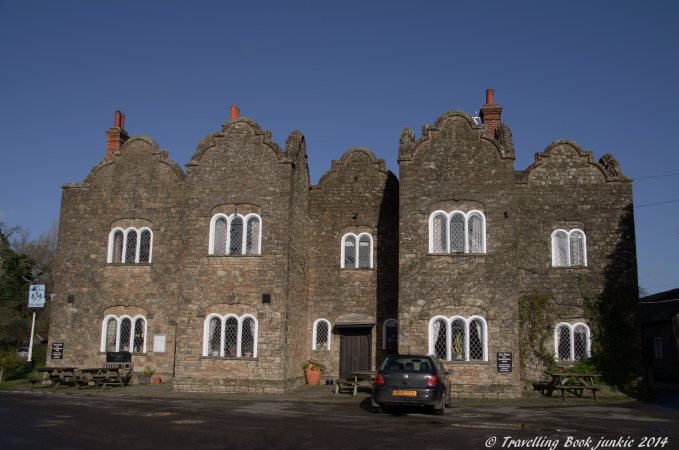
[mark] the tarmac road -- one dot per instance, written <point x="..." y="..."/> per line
<point x="65" y="421"/>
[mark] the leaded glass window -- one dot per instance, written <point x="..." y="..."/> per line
<point x="131" y="249"/>
<point x="145" y="246"/>
<point x="247" y="337"/>
<point x="214" y="336"/>
<point x="231" y="336"/>
<point x="118" y="247"/>
<point x="476" y="337"/>
<point x="221" y="233"/>
<point x="560" y="248"/>
<point x="457" y="342"/>
<point x="138" y="341"/>
<point x="111" y="334"/>
<point x="564" y="342"/>
<point x="350" y="252"/>
<point x="440" y="241"/>
<point x="580" y="346"/>
<point x="577" y="249"/>
<point x="475" y="234"/>
<point x="440" y="336"/>
<point x="236" y="236"/>
<point x="252" y="236"/>
<point x="457" y="233"/>
<point x="364" y="251"/>
<point x="125" y="331"/>
<point x="322" y="335"/>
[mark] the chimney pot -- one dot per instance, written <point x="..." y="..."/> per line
<point x="116" y="121"/>
<point x="122" y="121"/>
<point x="235" y="112"/>
<point x="116" y="136"/>
<point x="489" y="96"/>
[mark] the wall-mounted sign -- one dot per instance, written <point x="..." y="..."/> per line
<point x="57" y="350"/>
<point x="504" y="362"/>
<point x="36" y="296"/>
<point x="118" y="357"/>
<point x="159" y="343"/>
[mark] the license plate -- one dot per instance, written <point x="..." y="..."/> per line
<point x="408" y="393"/>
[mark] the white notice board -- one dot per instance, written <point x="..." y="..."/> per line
<point x="159" y="343"/>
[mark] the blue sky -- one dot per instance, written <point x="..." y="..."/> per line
<point x="346" y="74"/>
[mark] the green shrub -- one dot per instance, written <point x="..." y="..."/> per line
<point x="10" y="363"/>
<point x="39" y="356"/>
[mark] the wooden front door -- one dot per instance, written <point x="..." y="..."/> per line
<point x="355" y="351"/>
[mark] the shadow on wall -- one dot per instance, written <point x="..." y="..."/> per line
<point x="386" y="262"/>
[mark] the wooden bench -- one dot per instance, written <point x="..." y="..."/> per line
<point x="583" y="381"/>
<point x="351" y="384"/>
<point x="55" y="376"/>
<point x="112" y="374"/>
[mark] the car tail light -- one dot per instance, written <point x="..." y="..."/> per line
<point x="432" y="380"/>
<point x="379" y="379"/>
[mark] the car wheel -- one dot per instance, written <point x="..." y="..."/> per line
<point x="441" y="408"/>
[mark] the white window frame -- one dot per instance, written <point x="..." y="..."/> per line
<point x="571" y="328"/>
<point x="387" y="323"/>
<point x="239" y="334"/>
<point x="119" y="320"/>
<point x="568" y="255"/>
<point x="358" y="240"/>
<point x="467" y="322"/>
<point x="213" y="221"/>
<point x="123" y="257"/>
<point x="467" y="216"/>
<point x="314" y="342"/>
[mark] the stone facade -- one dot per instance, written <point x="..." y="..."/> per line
<point x="336" y="260"/>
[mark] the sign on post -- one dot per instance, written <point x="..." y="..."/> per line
<point x="36" y="296"/>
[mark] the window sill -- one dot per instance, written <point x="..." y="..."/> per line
<point x="570" y="267"/>
<point x="129" y="264"/>
<point x="234" y="358"/>
<point x="133" y="353"/>
<point x="484" y="363"/>
<point x="457" y="254"/>
<point x="357" y="268"/>
<point x="245" y="255"/>
<point x="321" y="349"/>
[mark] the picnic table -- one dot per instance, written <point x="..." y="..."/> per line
<point x="565" y="381"/>
<point x="56" y="376"/>
<point x="105" y="376"/>
<point x="356" y="383"/>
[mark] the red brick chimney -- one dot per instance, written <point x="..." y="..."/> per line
<point x="235" y="112"/>
<point x="490" y="114"/>
<point x="117" y="136"/>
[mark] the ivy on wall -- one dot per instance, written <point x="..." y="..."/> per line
<point x="536" y="317"/>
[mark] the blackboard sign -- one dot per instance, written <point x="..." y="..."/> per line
<point x="504" y="362"/>
<point x="118" y="357"/>
<point x="57" y="350"/>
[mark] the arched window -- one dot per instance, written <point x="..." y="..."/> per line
<point x="458" y="339"/>
<point x="321" y="337"/>
<point x="457" y="232"/>
<point x="357" y="251"/>
<point x="123" y="334"/>
<point x="230" y="336"/>
<point x="235" y="235"/>
<point x="130" y="246"/>
<point x="390" y="335"/>
<point x="572" y="342"/>
<point x="569" y="248"/>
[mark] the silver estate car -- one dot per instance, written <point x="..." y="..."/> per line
<point x="411" y="380"/>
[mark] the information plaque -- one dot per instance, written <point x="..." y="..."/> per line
<point x="57" y="350"/>
<point x="504" y="362"/>
<point x="159" y="343"/>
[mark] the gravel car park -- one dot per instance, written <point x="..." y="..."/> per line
<point x="415" y="380"/>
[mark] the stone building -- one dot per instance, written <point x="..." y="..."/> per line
<point x="228" y="276"/>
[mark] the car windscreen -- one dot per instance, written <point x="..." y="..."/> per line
<point x="408" y="364"/>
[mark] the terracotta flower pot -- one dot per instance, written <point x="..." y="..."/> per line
<point x="313" y="376"/>
<point x="156" y="380"/>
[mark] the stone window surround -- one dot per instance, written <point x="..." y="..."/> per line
<point x="358" y="238"/>
<point x="569" y="233"/>
<point x="119" y="320"/>
<point x="387" y="323"/>
<point x="206" y="337"/>
<point x="449" y="321"/>
<point x="109" y="258"/>
<point x="315" y="330"/>
<point x="466" y="231"/>
<point x="211" y="250"/>
<point x="571" y="357"/>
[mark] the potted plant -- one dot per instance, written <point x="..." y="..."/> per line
<point x="144" y="376"/>
<point x="313" y="370"/>
<point x="231" y="347"/>
<point x="247" y="350"/>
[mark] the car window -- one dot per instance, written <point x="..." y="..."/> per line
<point x="408" y="364"/>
